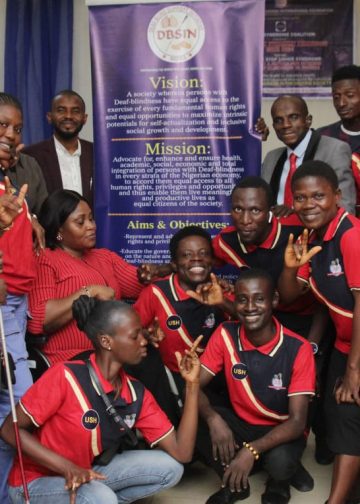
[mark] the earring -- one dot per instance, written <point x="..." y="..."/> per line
<point x="270" y="216"/>
<point x="59" y="236"/>
<point x="109" y="348"/>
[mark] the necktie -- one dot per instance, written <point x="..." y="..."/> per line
<point x="288" y="199"/>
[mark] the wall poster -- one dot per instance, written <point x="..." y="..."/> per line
<point x="177" y="91"/>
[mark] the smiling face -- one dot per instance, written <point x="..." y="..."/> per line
<point x="290" y="120"/>
<point x="79" y="230"/>
<point x="127" y="341"/>
<point x="67" y="116"/>
<point x="346" y="99"/>
<point x="254" y="304"/>
<point x="194" y="261"/>
<point x="11" y="124"/>
<point x="250" y="214"/>
<point x="316" y="202"/>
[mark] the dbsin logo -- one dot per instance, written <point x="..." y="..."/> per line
<point x="176" y="34"/>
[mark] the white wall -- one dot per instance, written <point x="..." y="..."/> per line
<point x="82" y="63"/>
<point x="322" y="110"/>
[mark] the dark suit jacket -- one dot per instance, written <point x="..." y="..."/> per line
<point x="45" y="154"/>
<point x="330" y="150"/>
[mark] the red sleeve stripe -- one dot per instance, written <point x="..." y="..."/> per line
<point x="162" y="437"/>
<point x="28" y="414"/>
<point x="208" y="370"/>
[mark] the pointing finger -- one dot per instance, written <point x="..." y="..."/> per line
<point x="214" y="279"/>
<point x="196" y="343"/>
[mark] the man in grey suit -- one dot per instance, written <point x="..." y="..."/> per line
<point x="292" y="122"/>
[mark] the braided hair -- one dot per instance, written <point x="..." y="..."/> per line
<point x="96" y="317"/>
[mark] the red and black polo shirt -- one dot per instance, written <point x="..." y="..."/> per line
<point x="181" y="318"/>
<point x="70" y="419"/>
<point x="261" y="379"/>
<point x="268" y="256"/>
<point x="334" y="273"/>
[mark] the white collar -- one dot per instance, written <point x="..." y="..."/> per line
<point x="348" y="132"/>
<point x="59" y="147"/>
<point x="300" y="149"/>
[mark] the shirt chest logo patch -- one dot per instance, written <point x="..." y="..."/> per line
<point x="239" y="371"/>
<point x="210" y="321"/>
<point x="335" y="268"/>
<point x="90" y="419"/>
<point x="277" y="383"/>
<point x="173" y="322"/>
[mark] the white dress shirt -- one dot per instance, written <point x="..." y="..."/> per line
<point x="69" y="167"/>
<point x="299" y="152"/>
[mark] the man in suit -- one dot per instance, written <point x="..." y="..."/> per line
<point x="292" y="122"/>
<point x="66" y="161"/>
<point x="346" y="99"/>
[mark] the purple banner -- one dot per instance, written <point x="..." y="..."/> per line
<point x="305" y="41"/>
<point x="177" y="90"/>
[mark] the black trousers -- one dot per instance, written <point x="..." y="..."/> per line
<point x="280" y="462"/>
<point x="301" y="325"/>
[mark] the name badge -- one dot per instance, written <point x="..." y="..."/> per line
<point x="239" y="371"/>
<point x="174" y="322"/>
<point x="90" y="419"/>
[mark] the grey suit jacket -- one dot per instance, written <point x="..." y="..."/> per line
<point x="330" y="150"/>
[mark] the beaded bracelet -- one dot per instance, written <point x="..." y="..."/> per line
<point x="255" y="453"/>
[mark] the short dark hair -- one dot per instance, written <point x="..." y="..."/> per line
<point x="185" y="233"/>
<point x="55" y="210"/>
<point x="68" y="92"/>
<point x="300" y="99"/>
<point x="96" y="317"/>
<point x="256" y="273"/>
<point x="346" y="72"/>
<point x="253" y="182"/>
<point x="8" y="99"/>
<point x="315" y="168"/>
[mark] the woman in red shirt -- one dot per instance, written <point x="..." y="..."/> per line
<point x="69" y="267"/>
<point x="64" y="433"/>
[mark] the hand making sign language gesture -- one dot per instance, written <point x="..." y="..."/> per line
<point x="11" y="205"/>
<point x="212" y="293"/>
<point x="297" y="254"/>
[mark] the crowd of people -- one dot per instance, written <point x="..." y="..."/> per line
<point x="235" y="376"/>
